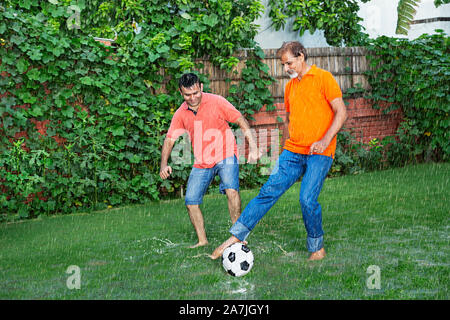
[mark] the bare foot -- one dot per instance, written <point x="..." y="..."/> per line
<point x="318" y="255"/>
<point x="200" y="244"/>
<point x="220" y="249"/>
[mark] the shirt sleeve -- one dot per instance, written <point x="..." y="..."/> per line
<point x="331" y="87"/>
<point x="176" y="128"/>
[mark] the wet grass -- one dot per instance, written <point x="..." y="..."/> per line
<point x="396" y="220"/>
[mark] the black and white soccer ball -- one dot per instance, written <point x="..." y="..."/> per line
<point x="237" y="259"/>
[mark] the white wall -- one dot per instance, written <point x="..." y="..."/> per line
<point x="269" y="38"/>
<point x="379" y="18"/>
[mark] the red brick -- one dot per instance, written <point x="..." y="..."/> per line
<point x="365" y="122"/>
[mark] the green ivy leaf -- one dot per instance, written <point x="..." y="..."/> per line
<point x="26" y="4"/>
<point x="18" y="40"/>
<point x="152" y="57"/>
<point x="135" y="158"/>
<point x="22" y="65"/>
<point x="65" y="93"/>
<point x="68" y="111"/>
<point x="26" y="97"/>
<point x="33" y="74"/>
<point x="86" y="80"/>
<point x="163" y="49"/>
<point x="10" y="58"/>
<point x="35" y="54"/>
<point x="36" y="111"/>
<point x="210" y="20"/>
<point x="186" y="16"/>
<point x="118" y="130"/>
<point x="57" y="51"/>
<point x="8" y="101"/>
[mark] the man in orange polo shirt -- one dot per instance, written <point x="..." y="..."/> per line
<point x="205" y="116"/>
<point x="315" y="114"/>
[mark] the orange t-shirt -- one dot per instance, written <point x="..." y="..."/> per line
<point x="308" y="102"/>
<point x="211" y="137"/>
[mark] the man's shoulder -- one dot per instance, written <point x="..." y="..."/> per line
<point x="180" y="111"/>
<point x="211" y="97"/>
<point x="321" y="72"/>
<point x="181" y="108"/>
<point x="289" y="84"/>
<point x="217" y="101"/>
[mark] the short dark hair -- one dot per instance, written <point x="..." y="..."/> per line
<point x="188" y="80"/>
<point x="294" y="47"/>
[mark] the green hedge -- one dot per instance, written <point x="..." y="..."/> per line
<point x="106" y="109"/>
<point x="96" y="103"/>
<point x="414" y="76"/>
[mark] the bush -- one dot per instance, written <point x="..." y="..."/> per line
<point x="414" y="76"/>
<point x="102" y="112"/>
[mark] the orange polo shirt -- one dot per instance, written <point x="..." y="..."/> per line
<point x="211" y="137"/>
<point x="308" y="102"/>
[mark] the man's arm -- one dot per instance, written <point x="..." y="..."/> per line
<point x="285" y="129"/>
<point x="166" y="170"/>
<point x="340" y="115"/>
<point x="254" y="154"/>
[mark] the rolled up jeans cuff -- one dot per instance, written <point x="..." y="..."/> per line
<point x="314" y="244"/>
<point x="240" y="231"/>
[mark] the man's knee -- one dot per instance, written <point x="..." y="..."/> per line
<point x="232" y="193"/>
<point x="307" y="201"/>
<point x="191" y="207"/>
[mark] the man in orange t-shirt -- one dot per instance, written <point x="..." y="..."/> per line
<point x="315" y="113"/>
<point x="205" y="116"/>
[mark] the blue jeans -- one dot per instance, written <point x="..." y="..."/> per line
<point x="290" y="167"/>
<point x="200" y="179"/>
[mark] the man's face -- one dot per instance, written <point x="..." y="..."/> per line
<point x="292" y="65"/>
<point x="192" y="95"/>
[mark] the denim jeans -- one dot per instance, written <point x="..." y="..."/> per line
<point x="290" y="167"/>
<point x="200" y="179"/>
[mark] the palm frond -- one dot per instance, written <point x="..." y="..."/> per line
<point x="406" y="10"/>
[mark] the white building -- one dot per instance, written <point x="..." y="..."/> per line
<point x="379" y="18"/>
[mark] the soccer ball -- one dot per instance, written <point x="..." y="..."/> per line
<point x="237" y="259"/>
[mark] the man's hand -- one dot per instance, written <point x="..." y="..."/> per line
<point x="318" y="147"/>
<point x="340" y="115"/>
<point x="165" y="172"/>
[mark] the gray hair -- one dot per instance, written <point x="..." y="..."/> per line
<point x="294" y="47"/>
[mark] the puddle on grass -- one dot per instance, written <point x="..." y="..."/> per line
<point x="239" y="287"/>
<point x="95" y="263"/>
<point x="151" y="246"/>
<point x="425" y="263"/>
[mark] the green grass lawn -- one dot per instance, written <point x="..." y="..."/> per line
<point x="397" y="220"/>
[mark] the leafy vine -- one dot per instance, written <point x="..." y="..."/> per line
<point x="82" y="124"/>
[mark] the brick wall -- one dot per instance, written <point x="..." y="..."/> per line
<point x="367" y="123"/>
<point x="363" y="121"/>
